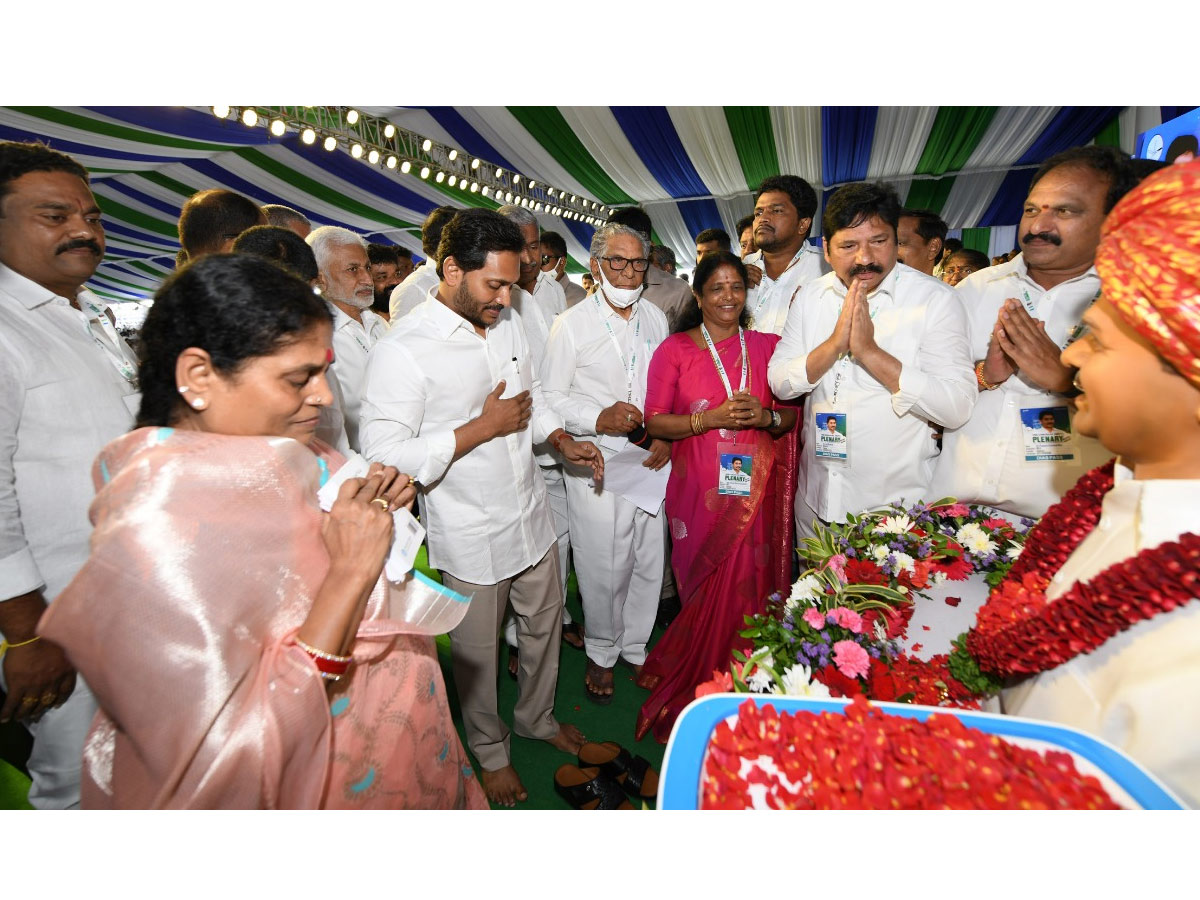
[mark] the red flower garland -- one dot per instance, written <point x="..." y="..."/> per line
<point x="1019" y="632"/>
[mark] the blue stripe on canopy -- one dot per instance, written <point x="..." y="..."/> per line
<point x="9" y="133"/>
<point x="189" y="123"/>
<point x="653" y="136"/>
<point x="1070" y="127"/>
<point x="127" y="252"/>
<point x="171" y="209"/>
<point x="466" y="136"/>
<point x="699" y="215"/>
<point x="366" y="177"/>
<point x="234" y="182"/>
<point x="136" y="234"/>
<point x="583" y="233"/>
<point x="847" y="133"/>
<point x="1006" y="206"/>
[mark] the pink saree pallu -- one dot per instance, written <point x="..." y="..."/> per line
<point x="206" y="557"/>
<point x="728" y="552"/>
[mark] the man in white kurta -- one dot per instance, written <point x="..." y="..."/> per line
<point x="880" y="344"/>
<point x="67" y="388"/>
<point x="783" y="215"/>
<point x="346" y="284"/>
<point x="1047" y="289"/>
<point x="451" y="398"/>
<point x="595" y="377"/>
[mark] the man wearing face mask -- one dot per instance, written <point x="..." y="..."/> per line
<point x="670" y="294"/>
<point x="554" y="261"/>
<point x="880" y="347"/>
<point x="594" y="376"/>
<point x="345" y="282"/>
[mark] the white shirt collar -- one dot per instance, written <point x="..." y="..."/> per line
<point x="887" y="287"/>
<point x="28" y="292"/>
<point x="1016" y="268"/>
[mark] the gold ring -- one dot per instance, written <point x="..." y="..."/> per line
<point x="48" y="698"/>
<point x="381" y="502"/>
<point x="29" y="701"/>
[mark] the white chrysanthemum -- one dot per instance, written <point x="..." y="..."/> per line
<point x="804" y="592"/>
<point x="901" y="524"/>
<point x="880" y="553"/>
<point x="937" y="578"/>
<point x="760" y="682"/>
<point x="1013" y="550"/>
<point x="798" y="682"/>
<point x="975" y="539"/>
<point x="904" y="561"/>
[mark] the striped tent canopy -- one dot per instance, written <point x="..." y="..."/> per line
<point x="690" y="167"/>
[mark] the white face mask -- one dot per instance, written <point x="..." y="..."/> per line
<point x="621" y="298"/>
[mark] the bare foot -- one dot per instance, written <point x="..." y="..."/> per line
<point x="514" y="661"/>
<point x="503" y="786"/>
<point x="569" y="739"/>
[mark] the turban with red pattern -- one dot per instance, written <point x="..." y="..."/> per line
<point x="1149" y="263"/>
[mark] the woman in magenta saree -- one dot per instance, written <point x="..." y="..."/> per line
<point x="729" y="498"/>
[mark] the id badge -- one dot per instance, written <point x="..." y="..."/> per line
<point x="833" y="436"/>
<point x="1048" y="435"/>
<point x="735" y="469"/>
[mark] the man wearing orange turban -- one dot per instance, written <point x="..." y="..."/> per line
<point x="1139" y="373"/>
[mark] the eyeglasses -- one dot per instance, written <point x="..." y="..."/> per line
<point x="959" y="270"/>
<point x="546" y="259"/>
<point x="618" y="263"/>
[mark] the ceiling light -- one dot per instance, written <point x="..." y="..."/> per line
<point x="308" y="136"/>
<point x="427" y="146"/>
<point x="389" y="130"/>
<point x="441" y="176"/>
<point x="352" y="117"/>
<point x="474" y="187"/>
<point x="508" y="197"/>
<point x="425" y="171"/>
<point x="391" y="162"/>
<point x="549" y="192"/>
<point x="356" y="150"/>
<point x="532" y="183"/>
<point x="278" y="128"/>
<point x="249" y="117"/>
<point x="452" y="155"/>
<point x="330" y="142"/>
<point x="516" y="179"/>
<point x="486" y="190"/>
<point x="453" y="180"/>
<point x="221" y="112"/>
<point x="373" y="156"/>
<point x="475" y="164"/>
<point x="499" y="173"/>
<point x="406" y="167"/>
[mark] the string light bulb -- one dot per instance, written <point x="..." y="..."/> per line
<point x="373" y="156"/>
<point x="352" y="117"/>
<point x="441" y="176"/>
<point x="391" y="162"/>
<point x="406" y="167"/>
<point x="356" y="150"/>
<point x="452" y="155"/>
<point x="278" y="128"/>
<point x="475" y="163"/>
<point x="427" y="146"/>
<point x="389" y="130"/>
<point x="425" y="171"/>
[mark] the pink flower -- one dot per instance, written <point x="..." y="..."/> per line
<point x="847" y="618"/>
<point x="838" y="564"/>
<point x="851" y="659"/>
<point x="815" y="618"/>
<point x="954" y="509"/>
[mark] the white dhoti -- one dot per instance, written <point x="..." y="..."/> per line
<point x="618" y="553"/>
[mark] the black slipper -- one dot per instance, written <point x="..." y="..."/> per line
<point x="633" y="773"/>
<point x="588" y="789"/>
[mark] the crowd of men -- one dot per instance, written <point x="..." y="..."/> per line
<point x="502" y="387"/>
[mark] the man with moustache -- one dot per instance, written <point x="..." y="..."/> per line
<point x="670" y="294"/>
<point x="345" y="283"/>
<point x="68" y="386"/>
<point x="880" y="344"/>
<point x="383" y="264"/>
<point x="1021" y="314"/>
<point x="921" y="238"/>
<point x="783" y="215"/>
<point x="452" y="398"/>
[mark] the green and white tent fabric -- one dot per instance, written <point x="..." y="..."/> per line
<point x="690" y="167"/>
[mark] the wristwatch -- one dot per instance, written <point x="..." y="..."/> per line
<point x="776" y="418"/>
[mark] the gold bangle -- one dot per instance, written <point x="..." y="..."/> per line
<point x="5" y="646"/>
<point x="980" y="380"/>
<point x="321" y="654"/>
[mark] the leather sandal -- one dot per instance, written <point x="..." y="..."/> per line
<point x="588" y="789"/>
<point x="632" y="773"/>
<point x="592" y="680"/>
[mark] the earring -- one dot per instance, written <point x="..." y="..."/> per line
<point x="199" y="403"/>
<point x="1076" y="384"/>
<point x="183" y="389"/>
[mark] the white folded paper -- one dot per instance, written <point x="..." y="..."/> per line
<point x="626" y="477"/>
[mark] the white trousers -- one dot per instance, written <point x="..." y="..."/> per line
<point x="618" y="552"/>
<point x="557" y="493"/>
<point x="56" y="760"/>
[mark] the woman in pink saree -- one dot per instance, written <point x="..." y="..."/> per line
<point x="729" y="498"/>
<point x="237" y="639"/>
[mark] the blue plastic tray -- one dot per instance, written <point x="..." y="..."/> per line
<point x="679" y="784"/>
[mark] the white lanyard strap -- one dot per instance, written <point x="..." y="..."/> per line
<point x="105" y="342"/>
<point x="630" y="368"/>
<point x="765" y="294"/>
<point x="721" y="366"/>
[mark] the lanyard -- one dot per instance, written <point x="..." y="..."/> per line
<point x="765" y="294"/>
<point x="845" y="360"/>
<point x="721" y="366"/>
<point x="637" y="330"/>
<point x="115" y="357"/>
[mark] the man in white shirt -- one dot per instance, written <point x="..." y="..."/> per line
<point x="1020" y="315"/>
<point x="536" y="300"/>
<point x="345" y="283"/>
<point x="880" y="347"/>
<point x="451" y="397"/>
<point x="413" y="290"/>
<point x="595" y="378"/>
<point x="784" y="261"/>
<point x="554" y="261"/>
<point x="745" y="233"/>
<point x="670" y="294"/>
<point x="68" y="386"/>
<point x="920" y="239"/>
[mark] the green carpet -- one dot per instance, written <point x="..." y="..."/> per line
<point x="535" y="761"/>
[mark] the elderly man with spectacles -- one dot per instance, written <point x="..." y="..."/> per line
<point x="594" y="376"/>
